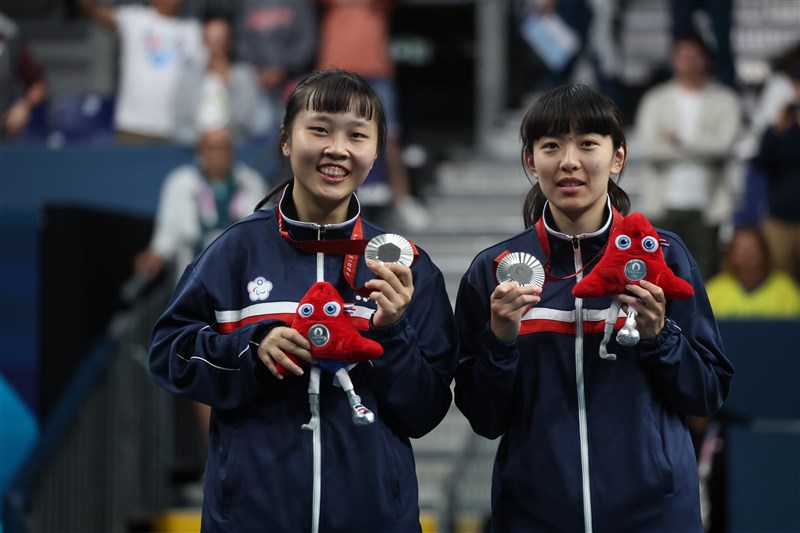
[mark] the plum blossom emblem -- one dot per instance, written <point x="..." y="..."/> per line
<point x="259" y="289"/>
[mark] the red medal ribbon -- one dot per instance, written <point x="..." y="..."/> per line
<point x="351" y="248"/>
<point x="541" y="231"/>
<point x="497" y="260"/>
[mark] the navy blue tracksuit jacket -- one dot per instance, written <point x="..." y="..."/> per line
<point x="264" y="472"/>
<point x="588" y="444"/>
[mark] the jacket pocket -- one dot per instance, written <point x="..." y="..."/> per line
<point x="225" y="464"/>
<point x="395" y="463"/>
<point x="658" y="451"/>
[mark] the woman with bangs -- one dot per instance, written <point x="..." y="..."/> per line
<point x="224" y="340"/>
<point x="587" y="444"/>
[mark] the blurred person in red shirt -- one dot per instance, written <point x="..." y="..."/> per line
<point x="355" y="36"/>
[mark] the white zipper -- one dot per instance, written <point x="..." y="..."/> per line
<point x="583" y="426"/>
<point x="316" y="494"/>
<point x="317" y="484"/>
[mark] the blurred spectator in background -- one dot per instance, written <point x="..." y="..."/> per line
<point x="355" y="35"/>
<point x="219" y="93"/>
<point x="22" y="80"/>
<point x="779" y="160"/>
<point x="778" y="90"/>
<point x="197" y="202"/>
<point x="749" y="286"/>
<point x="155" y="46"/>
<point x="594" y="23"/>
<point x="279" y="39"/>
<point x="776" y="94"/>
<point x="683" y="17"/>
<point x="685" y="128"/>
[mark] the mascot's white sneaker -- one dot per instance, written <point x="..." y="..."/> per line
<point x="361" y="415"/>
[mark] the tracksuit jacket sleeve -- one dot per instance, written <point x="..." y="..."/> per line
<point x="487" y="368"/>
<point x="686" y="359"/>
<point x="412" y="378"/>
<point x="189" y="356"/>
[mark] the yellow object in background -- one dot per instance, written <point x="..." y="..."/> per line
<point x="177" y="521"/>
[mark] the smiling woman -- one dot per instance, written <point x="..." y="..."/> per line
<point x="331" y="155"/>
<point x="332" y="132"/>
<point x="228" y="340"/>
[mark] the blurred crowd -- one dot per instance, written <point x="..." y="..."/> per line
<point x="230" y="67"/>
<point x="226" y="68"/>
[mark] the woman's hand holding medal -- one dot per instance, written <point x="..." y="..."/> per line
<point x="520" y="277"/>
<point x="391" y="290"/>
<point x="508" y="303"/>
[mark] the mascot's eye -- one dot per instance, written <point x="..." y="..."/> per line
<point x="623" y="242"/>
<point x="650" y="244"/>
<point x="332" y="309"/>
<point x="305" y="310"/>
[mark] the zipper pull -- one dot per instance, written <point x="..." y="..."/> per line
<point x="576" y="256"/>
<point x="321" y="229"/>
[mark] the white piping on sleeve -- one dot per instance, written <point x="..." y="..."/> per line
<point x="206" y="361"/>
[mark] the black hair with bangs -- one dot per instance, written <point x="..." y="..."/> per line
<point x="335" y="91"/>
<point x="567" y="108"/>
<point x="330" y="91"/>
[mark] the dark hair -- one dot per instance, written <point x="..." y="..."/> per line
<point x="789" y="61"/>
<point x="763" y="247"/>
<point x="692" y="37"/>
<point x="216" y="13"/>
<point x="568" y="108"/>
<point x="331" y="91"/>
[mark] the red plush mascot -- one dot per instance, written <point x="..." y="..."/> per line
<point x="324" y="319"/>
<point x="634" y="253"/>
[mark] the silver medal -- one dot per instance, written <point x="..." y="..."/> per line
<point x="521" y="267"/>
<point x="390" y="248"/>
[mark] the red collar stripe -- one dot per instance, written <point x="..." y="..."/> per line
<point x="351" y="248"/>
<point x="541" y="232"/>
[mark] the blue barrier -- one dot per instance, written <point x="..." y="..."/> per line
<point x="766" y="356"/>
<point x="126" y="179"/>
<point x="15" y="497"/>
<point x="763" y="480"/>
<point x="762" y="453"/>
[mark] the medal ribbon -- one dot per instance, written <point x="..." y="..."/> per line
<point x="541" y="232"/>
<point x="351" y="248"/>
<point x="497" y="261"/>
